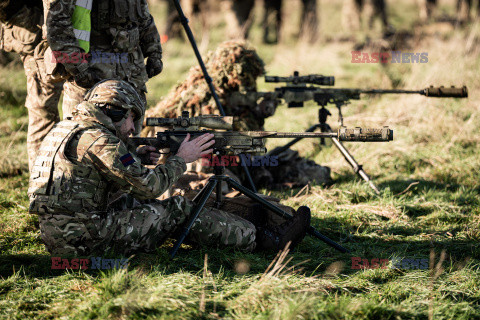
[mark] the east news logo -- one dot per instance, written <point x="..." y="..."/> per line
<point x="396" y="263"/>
<point x="89" y="263"/>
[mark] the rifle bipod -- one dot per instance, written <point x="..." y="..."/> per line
<point x="323" y="114"/>
<point x="215" y="181"/>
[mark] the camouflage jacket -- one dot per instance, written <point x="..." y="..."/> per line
<point x="82" y="164"/>
<point x="123" y="35"/>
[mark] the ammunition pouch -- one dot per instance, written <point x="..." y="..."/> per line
<point x="111" y="18"/>
<point x="125" y="40"/>
<point x="50" y="70"/>
<point x="39" y="204"/>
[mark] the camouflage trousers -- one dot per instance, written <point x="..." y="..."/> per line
<point x="142" y="228"/>
<point x="73" y="95"/>
<point x="42" y="104"/>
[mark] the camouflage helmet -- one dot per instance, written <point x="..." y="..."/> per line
<point x="119" y="94"/>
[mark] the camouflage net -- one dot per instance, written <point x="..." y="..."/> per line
<point x="233" y="66"/>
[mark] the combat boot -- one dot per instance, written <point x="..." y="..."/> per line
<point x="275" y="238"/>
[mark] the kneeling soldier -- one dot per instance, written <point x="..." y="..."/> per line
<point x="93" y="194"/>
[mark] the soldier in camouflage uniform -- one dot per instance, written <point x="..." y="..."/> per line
<point x="118" y="27"/>
<point x="235" y="67"/>
<point x="93" y="194"/>
<point x="20" y="32"/>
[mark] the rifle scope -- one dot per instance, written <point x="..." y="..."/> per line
<point x="184" y="122"/>
<point x="308" y="79"/>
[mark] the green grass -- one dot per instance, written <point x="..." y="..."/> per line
<point x="428" y="209"/>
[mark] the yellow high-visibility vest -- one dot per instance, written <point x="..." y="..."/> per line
<point x="82" y="25"/>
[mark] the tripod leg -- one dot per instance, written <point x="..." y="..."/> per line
<point x="312" y="231"/>
<point x="205" y="193"/>
<point x="199" y="195"/>
<point x="249" y="178"/>
<point x="354" y="164"/>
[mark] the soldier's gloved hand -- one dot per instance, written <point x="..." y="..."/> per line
<point x="148" y="154"/>
<point x="193" y="150"/>
<point x="154" y="65"/>
<point x="86" y="79"/>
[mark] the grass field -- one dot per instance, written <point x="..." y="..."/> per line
<point x="429" y="208"/>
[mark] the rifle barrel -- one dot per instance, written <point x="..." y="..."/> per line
<point x="343" y="134"/>
<point x="432" y="92"/>
<point x="387" y="91"/>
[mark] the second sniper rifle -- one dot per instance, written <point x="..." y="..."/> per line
<point x="238" y="142"/>
<point x="297" y="93"/>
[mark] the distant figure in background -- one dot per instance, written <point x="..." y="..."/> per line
<point x="272" y="21"/>
<point x="427" y="8"/>
<point x="352" y="13"/>
<point x="191" y="8"/>
<point x="309" y="21"/>
<point x="173" y="27"/>
<point x="470" y="4"/>
<point x="239" y="17"/>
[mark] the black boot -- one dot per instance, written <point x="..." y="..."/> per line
<point x="275" y="238"/>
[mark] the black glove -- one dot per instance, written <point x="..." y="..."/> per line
<point x="266" y="108"/>
<point x="154" y="65"/>
<point x="87" y="79"/>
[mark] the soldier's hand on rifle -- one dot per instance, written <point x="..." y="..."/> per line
<point x="148" y="154"/>
<point x="197" y="148"/>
